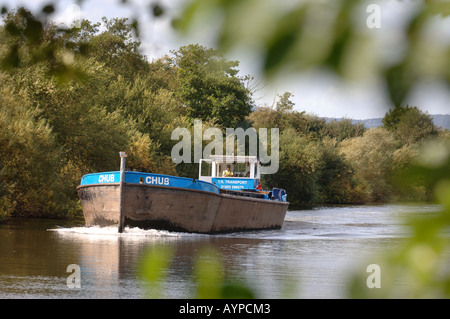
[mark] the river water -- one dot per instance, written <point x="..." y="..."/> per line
<point x="312" y="256"/>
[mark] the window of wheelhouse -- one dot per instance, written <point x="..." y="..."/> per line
<point x="240" y="169"/>
<point x="206" y="168"/>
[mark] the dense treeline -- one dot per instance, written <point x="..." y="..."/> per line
<point x="70" y="101"/>
<point x="342" y="163"/>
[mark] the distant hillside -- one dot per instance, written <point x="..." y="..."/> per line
<point x="369" y="122"/>
<point x="440" y="120"/>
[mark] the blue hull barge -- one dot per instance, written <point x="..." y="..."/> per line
<point x="210" y="204"/>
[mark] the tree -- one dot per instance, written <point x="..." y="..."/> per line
<point x="209" y="87"/>
<point x="410" y="124"/>
<point x="343" y="129"/>
<point x="284" y="104"/>
<point x="392" y="117"/>
<point x="117" y="48"/>
<point x="415" y="126"/>
<point x="300" y="160"/>
<point x="335" y="180"/>
<point x="30" y="159"/>
<point x="371" y="159"/>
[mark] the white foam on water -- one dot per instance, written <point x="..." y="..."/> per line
<point x="111" y="232"/>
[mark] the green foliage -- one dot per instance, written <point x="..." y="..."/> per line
<point x="87" y="93"/>
<point x="284" y="104"/>
<point x="343" y="129"/>
<point x="370" y="156"/>
<point x="154" y="269"/>
<point x="299" y="168"/>
<point x="409" y="124"/>
<point x="392" y="118"/>
<point x="312" y="167"/>
<point x="56" y="133"/>
<point x="336" y="179"/>
<point x="337" y="162"/>
<point x="29" y="158"/>
<point x="209" y="86"/>
<point x="284" y="116"/>
<point x="29" y="41"/>
<point x="208" y="276"/>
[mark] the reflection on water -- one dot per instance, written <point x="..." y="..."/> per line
<point x="312" y="256"/>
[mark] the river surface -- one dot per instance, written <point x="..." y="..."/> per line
<point x="312" y="256"/>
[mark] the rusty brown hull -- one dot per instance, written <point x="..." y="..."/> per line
<point x="175" y="209"/>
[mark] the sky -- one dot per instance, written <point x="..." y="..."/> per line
<point x="314" y="93"/>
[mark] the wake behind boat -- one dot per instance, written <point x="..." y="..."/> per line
<point x="210" y="204"/>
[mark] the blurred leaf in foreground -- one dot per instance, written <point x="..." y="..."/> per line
<point x="334" y="36"/>
<point x="154" y="269"/>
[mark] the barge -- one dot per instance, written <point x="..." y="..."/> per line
<point x="209" y="204"/>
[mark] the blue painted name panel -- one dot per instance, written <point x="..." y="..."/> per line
<point x="149" y="179"/>
<point x="101" y="178"/>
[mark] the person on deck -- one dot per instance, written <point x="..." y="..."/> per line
<point x="227" y="172"/>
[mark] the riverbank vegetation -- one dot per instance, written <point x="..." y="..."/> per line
<point x="70" y="101"/>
